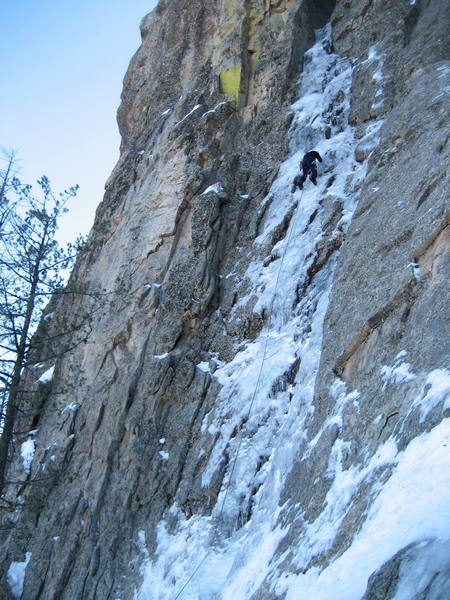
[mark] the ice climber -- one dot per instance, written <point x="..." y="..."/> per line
<point x="308" y="164"/>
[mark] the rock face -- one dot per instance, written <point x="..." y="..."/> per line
<point x="259" y="408"/>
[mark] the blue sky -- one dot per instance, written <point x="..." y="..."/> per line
<point x="63" y="64"/>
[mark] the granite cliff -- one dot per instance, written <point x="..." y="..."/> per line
<point x="260" y="408"/>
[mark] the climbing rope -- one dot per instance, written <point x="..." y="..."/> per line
<point x="266" y="343"/>
<point x="258" y="379"/>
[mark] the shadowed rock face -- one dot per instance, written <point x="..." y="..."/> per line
<point x="204" y="121"/>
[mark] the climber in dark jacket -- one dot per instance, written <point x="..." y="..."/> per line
<point x="308" y="164"/>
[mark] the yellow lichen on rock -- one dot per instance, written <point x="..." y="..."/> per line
<point x="243" y="29"/>
<point x="230" y="82"/>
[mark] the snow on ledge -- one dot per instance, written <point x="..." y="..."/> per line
<point x="72" y="407"/>
<point x="46" y="377"/>
<point x="217" y="188"/>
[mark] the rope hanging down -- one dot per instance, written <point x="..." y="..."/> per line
<point x="258" y="379"/>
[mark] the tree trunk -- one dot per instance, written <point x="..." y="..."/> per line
<point x="13" y="395"/>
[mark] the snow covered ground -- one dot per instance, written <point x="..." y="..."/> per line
<point x="228" y="555"/>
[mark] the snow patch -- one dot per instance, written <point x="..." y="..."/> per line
<point x="398" y="373"/>
<point x="46" y="377"/>
<point x="436" y="389"/>
<point x="27" y="450"/>
<point x="415" y="270"/>
<point x="72" y="407"/>
<point x="16" y="576"/>
<point x="217" y="188"/>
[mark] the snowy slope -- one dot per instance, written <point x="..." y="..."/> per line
<point x="267" y="398"/>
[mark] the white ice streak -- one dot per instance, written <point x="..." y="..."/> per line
<point x="213" y="110"/>
<point x="72" y="407"/>
<point x="196" y="107"/>
<point x="261" y="416"/>
<point x="239" y="379"/>
<point x="27" y="452"/>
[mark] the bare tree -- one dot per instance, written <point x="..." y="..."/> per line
<point x="32" y="268"/>
<point x="7" y="180"/>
